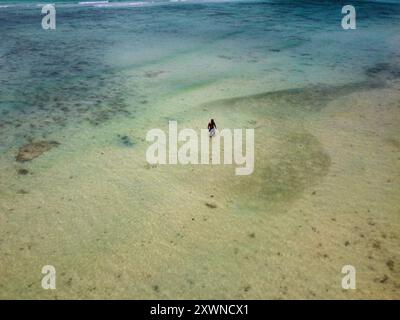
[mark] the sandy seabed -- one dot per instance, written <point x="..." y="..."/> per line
<point x="325" y="193"/>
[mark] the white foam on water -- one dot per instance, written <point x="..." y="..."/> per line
<point x="123" y="4"/>
<point x="88" y="3"/>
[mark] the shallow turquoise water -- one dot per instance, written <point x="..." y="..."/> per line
<point x="114" y="226"/>
<point x="96" y="64"/>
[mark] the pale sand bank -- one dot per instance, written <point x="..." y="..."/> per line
<point x="325" y="193"/>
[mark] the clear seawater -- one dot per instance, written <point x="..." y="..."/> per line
<point x="324" y="103"/>
<point x="91" y="67"/>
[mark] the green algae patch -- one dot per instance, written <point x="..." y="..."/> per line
<point x="297" y="163"/>
<point x="293" y="102"/>
<point x="33" y="150"/>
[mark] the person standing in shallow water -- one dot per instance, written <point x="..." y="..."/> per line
<point x="211" y="128"/>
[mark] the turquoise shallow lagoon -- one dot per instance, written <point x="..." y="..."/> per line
<point x="102" y="61"/>
<point x="324" y="103"/>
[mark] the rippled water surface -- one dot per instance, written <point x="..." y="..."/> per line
<point x="324" y="103"/>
